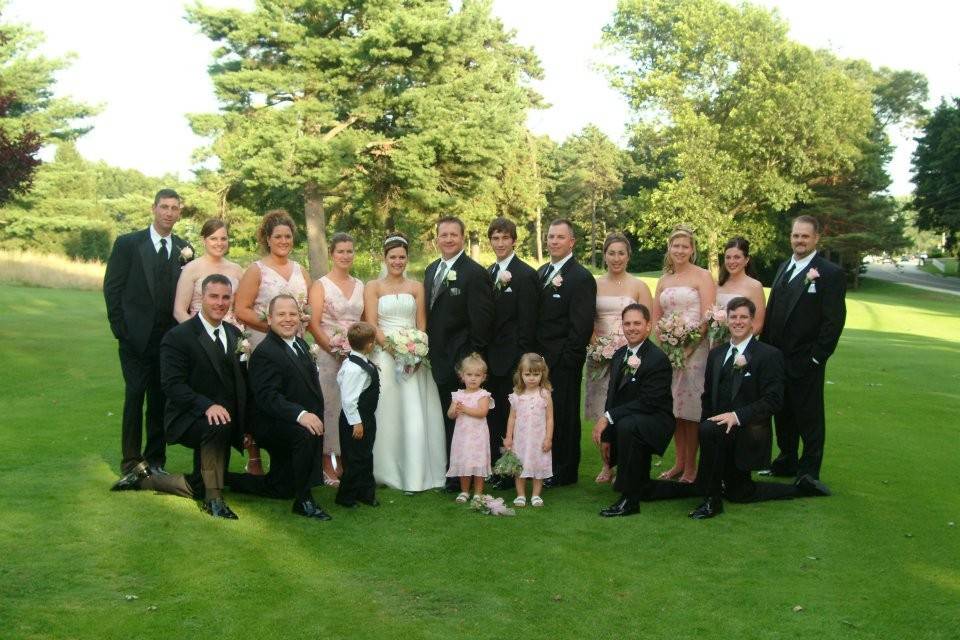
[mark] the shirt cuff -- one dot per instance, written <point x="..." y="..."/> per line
<point x="300" y="416"/>
<point x="815" y="360"/>
<point x="736" y="418"/>
<point x="607" y="416"/>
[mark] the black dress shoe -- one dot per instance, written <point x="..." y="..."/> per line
<point x="346" y="504"/>
<point x="372" y="502"/>
<point x="217" y="508"/>
<point x="132" y="479"/>
<point x="310" y="509"/>
<point x="810" y="486"/>
<point x="623" y="507"/>
<point x="710" y="508"/>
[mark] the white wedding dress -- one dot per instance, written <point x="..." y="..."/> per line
<point x="409" y="452"/>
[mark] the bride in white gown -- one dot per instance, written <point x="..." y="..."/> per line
<point x="409" y="452"/>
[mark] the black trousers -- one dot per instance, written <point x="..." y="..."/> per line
<point x="141" y="378"/>
<point x="357" y="482"/>
<point x="801" y="419"/>
<point x="293" y="451"/>
<point x="446" y="390"/>
<point x="718" y="474"/>
<point x="566" y="423"/>
<point x="633" y="456"/>
<point x="499" y="387"/>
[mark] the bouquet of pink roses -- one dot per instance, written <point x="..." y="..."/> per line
<point x="339" y="345"/>
<point x="600" y="352"/>
<point x="409" y="350"/>
<point x="675" y="334"/>
<point x="717" y="329"/>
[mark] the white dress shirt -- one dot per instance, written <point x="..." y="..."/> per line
<point x="505" y="262"/>
<point x="352" y="380"/>
<point x="451" y="261"/>
<point x="741" y="347"/>
<point x="210" y="327"/>
<point x="631" y="351"/>
<point x="799" y="265"/>
<point x="155" y="238"/>
<point x="556" y="266"/>
<point x="290" y="343"/>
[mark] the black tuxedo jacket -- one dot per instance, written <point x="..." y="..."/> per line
<point x="646" y="392"/>
<point x="565" y="319"/>
<point x="756" y="394"/>
<point x="514" y="318"/>
<point x="129" y="286"/>
<point x="194" y="376"/>
<point x="804" y="323"/>
<point x="283" y="384"/>
<point x="461" y="319"/>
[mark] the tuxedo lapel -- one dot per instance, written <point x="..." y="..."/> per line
<point x="211" y="348"/>
<point x="307" y="370"/>
<point x="428" y="277"/>
<point x="738" y="374"/>
<point x="795" y="289"/>
<point x="715" y="377"/>
<point x="148" y="256"/>
<point x="444" y="285"/>
<point x="616" y="371"/>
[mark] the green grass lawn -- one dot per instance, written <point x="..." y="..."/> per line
<point x="880" y="559"/>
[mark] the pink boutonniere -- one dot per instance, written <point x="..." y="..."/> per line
<point x="557" y="281"/>
<point x="503" y="279"/>
<point x="739" y="362"/>
<point x="812" y="274"/>
<point x="186" y="255"/>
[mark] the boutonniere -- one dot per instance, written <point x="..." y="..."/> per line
<point x="186" y="255"/>
<point x="631" y="364"/>
<point x="739" y="362"/>
<point x="244" y="348"/>
<point x="503" y="279"/>
<point x="557" y="281"/>
<point x="315" y="351"/>
<point x="812" y="274"/>
<point x="451" y="275"/>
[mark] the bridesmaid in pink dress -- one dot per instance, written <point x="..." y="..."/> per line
<point x="270" y="276"/>
<point x="615" y="290"/>
<point x="689" y="290"/>
<point x="337" y="301"/>
<point x="737" y="278"/>
<point x="216" y="243"/>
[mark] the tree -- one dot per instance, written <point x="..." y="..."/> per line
<point x="936" y="173"/>
<point x="385" y="112"/>
<point x="743" y="121"/>
<point x="30" y="115"/>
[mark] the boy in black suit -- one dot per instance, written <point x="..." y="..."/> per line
<point x="359" y="383"/>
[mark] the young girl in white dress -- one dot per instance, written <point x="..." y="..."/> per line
<point x="530" y="426"/>
<point x="470" y="446"/>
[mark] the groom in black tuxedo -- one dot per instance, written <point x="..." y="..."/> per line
<point x="742" y="390"/>
<point x="139" y="287"/>
<point x="566" y="306"/>
<point x="638" y="414"/>
<point x="289" y="403"/>
<point x="805" y="316"/>
<point x="515" y="298"/>
<point x="460" y="311"/>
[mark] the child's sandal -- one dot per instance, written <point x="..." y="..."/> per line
<point x="463" y="497"/>
<point x="536" y="501"/>
<point x="520" y="501"/>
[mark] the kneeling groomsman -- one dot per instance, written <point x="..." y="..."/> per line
<point x="359" y="383"/>
<point x="742" y="390"/>
<point x="203" y="382"/>
<point x="289" y="403"/>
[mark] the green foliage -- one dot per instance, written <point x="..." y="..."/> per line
<point x="936" y="168"/>
<point x="91" y="243"/>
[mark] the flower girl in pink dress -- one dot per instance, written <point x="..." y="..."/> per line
<point x="470" y="446"/>
<point x="530" y="426"/>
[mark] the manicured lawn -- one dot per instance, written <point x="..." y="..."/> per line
<point x="880" y="559"/>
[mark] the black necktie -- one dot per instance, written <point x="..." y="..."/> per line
<point x="546" y="276"/>
<point x="163" y="253"/>
<point x="494" y="271"/>
<point x="728" y="363"/>
<point x="216" y="338"/>
<point x="785" y="280"/>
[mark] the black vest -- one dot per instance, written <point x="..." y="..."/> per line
<point x="369" y="397"/>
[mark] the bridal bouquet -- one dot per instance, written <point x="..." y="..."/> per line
<point x="409" y="350"/>
<point x="600" y="353"/>
<point x="339" y="345"/>
<point x="675" y="334"/>
<point x="508" y="465"/>
<point x="717" y="329"/>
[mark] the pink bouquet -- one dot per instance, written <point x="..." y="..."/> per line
<point x="409" y="350"/>
<point x="675" y="334"/>
<point x="339" y="345"/>
<point x="600" y="352"/>
<point x="717" y="329"/>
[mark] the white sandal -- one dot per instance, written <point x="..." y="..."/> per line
<point x="536" y="501"/>
<point x="520" y="501"/>
<point x="463" y="497"/>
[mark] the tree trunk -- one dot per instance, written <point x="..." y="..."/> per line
<point x="538" y="227"/>
<point x="474" y="247"/>
<point x="316" y="218"/>
<point x="593" y="229"/>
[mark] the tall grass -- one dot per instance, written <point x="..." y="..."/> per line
<point x="49" y="271"/>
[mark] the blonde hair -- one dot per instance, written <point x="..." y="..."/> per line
<point x="472" y="360"/>
<point x="679" y="231"/>
<point x="535" y="363"/>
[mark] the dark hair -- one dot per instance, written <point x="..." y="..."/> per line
<point x="503" y="225"/>
<point x="339" y="238"/>
<point x="165" y="193"/>
<point x="813" y="222"/>
<point x="282" y="296"/>
<point x="452" y="220"/>
<point x="360" y="335"/>
<point x="395" y="240"/>
<point x="614" y="238"/>
<point x="743" y="244"/>
<point x="211" y="226"/>
<point x="636" y="306"/>
<point x="271" y="220"/>
<point x="559" y="221"/>
<point x="215" y="278"/>
<point x="741" y="301"/>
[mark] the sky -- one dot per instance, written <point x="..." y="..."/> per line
<point x="147" y="67"/>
